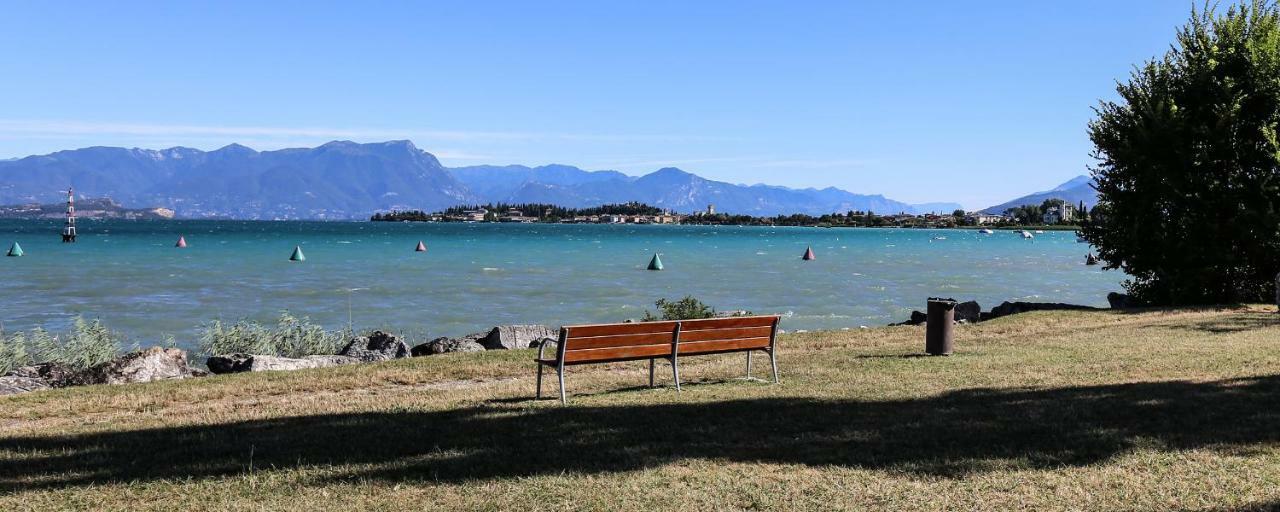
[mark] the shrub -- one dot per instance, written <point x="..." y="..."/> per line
<point x="86" y="345"/>
<point x="1187" y="176"/>
<point x="289" y="337"/>
<point x="687" y="308"/>
<point x="13" y="352"/>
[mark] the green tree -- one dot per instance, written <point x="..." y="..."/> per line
<point x="1188" y="164"/>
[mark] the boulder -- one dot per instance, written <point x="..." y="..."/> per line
<point x="57" y="375"/>
<point x="517" y="336"/>
<point x="12" y="384"/>
<point x="445" y="345"/>
<point x="148" y="365"/>
<point x="917" y="318"/>
<point x="229" y="363"/>
<point x="968" y="312"/>
<point x="261" y="363"/>
<point x="1120" y="300"/>
<point x="1012" y="308"/>
<point x="378" y="346"/>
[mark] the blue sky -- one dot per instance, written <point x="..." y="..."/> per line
<point x="974" y="102"/>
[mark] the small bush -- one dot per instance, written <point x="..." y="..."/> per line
<point x="13" y="352"/>
<point x="86" y="345"/>
<point x="289" y="337"/>
<point x="687" y="308"/>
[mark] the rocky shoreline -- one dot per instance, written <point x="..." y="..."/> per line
<point x="158" y="363"/>
<point x="971" y="311"/>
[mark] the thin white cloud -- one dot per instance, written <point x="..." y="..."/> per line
<point x="38" y="127"/>
<point x="753" y="162"/>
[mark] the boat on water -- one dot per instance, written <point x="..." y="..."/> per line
<point x="1039" y="231"/>
<point x="986" y="231"/>
<point x="1026" y="234"/>
<point x="939" y="238"/>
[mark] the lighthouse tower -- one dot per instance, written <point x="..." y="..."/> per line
<point x="69" y="231"/>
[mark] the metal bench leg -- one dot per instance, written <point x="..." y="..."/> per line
<point x="675" y="371"/>
<point x="560" y="370"/>
<point x="773" y="359"/>
<point x="748" y="365"/>
<point x="651" y="373"/>
<point x="541" y="367"/>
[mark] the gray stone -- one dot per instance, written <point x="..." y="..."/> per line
<point x="378" y="346"/>
<point x="1119" y="300"/>
<point x="12" y="385"/>
<point x="447" y="345"/>
<point x="57" y="375"/>
<point x="148" y="365"/>
<point x="262" y="363"/>
<point x="517" y="336"/>
<point x="968" y="312"/>
<point x="1012" y="308"/>
<point x="917" y="318"/>
<point x="229" y="363"/>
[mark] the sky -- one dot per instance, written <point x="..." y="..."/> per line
<point x="970" y="102"/>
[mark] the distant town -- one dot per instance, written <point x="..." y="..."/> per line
<point x="1051" y="213"/>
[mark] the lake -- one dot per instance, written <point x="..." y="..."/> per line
<point x="474" y="276"/>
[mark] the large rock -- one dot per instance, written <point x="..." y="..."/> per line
<point x="446" y="345"/>
<point x="229" y="363"/>
<point x="57" y="375"/>
<point x="261" y="363"/>
<point x="378" y="346"/>
<point x="917" y="318"/>
<point x="1012" y="308"/>
<point x="148" y="365"/>
<point x="518" y="336"/>
<point x="1120" y="300"/>
<point x="968" y="312"/>
<point x="12" y="385"/>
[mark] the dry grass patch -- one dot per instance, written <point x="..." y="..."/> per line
<point x="1048" y="410"/>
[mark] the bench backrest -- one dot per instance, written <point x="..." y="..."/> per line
<point x="648" y="340"/>
<point x="733" y="334"/>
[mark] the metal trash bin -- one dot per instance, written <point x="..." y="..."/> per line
<point x="939" y="334"/>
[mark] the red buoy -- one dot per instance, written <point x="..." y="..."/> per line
<point x="182" y="242"/>
<point x="421" y="247"/>
<point x="808" y="254"/>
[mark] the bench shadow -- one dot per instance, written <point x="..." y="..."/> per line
<point x="950" y="435"/>
<point x="1234" y="324"/>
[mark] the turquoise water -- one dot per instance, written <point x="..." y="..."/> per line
<point x="474" y="276"/>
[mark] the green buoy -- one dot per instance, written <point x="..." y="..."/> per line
<point x="297" y="254"/>
<point x="15" y="250"/>
<point x="655" y="263"/>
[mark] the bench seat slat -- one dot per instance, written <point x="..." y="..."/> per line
<point x="581" y="331"/>
<point x="725" y="334"/>
<point x="617" y="353"/>
<point x="711" y="347"/>
<point x="725" y="323"/>
<point x="621" y="340"/>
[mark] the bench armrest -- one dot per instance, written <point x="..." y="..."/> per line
<point x="542" y="345"/>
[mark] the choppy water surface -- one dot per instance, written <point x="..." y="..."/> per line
<point x="478" y="275"/>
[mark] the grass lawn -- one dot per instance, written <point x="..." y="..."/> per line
<point x="1040" y="411"/>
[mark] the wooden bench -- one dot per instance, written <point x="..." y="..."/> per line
<point x="669" y="340"/>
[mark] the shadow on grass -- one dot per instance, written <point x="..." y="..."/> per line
<point x="950" y="435"/>
<point x="1236" y="323"/>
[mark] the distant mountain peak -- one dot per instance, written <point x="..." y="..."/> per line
<point x="1075" y="190"/>
<point x="235" y="148"/>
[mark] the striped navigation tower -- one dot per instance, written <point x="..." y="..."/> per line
<point x="69" y="231"/>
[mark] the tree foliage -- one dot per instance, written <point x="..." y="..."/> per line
<point x="1188" y="164"/>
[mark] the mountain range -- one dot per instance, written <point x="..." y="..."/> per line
<point x="1076" y="190"/>
<point x="346" y="180"/>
